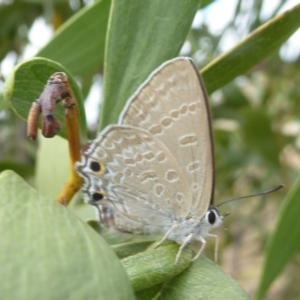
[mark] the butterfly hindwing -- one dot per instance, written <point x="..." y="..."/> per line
<point x="137" y="177"/>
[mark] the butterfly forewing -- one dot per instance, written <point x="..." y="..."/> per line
<point x="172" y="105"/>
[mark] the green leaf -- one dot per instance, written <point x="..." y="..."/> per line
<point x="148" y="294"/>
<point x="79" y="43"/>
<point x="257" y="46"/>
<point x="284" y="242"/>
<point x="130" y="248"/>
<point x="152" y="267"/>
<point x="202" y="280"/>
<point x="26" y="83"/>
<point x="49" y="253"/>
<point x="142" y="35"/>
<point x="3" y="103"/>
<point x="198" y="280"/>
<point x="52" y="166"/>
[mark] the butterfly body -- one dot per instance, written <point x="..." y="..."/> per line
<point x="153" y="173"/>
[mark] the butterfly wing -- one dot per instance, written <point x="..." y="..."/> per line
<point x="131" y="173"/>
<point x="172" y="105"/>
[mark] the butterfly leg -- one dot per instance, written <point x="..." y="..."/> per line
<point x="165" y="236"/>
<point x="216" y="245"/>
<point x="203" y="241"/>
<point x="185" y="242"/>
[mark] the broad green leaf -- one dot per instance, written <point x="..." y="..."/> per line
<point x="203" y="280"/>
<point x="142" y="35"/>
<point x="284" y="242"/>
<point x="49" y="253"/>
<point x="257" y="46"/>
<point x="52" y="169"/>
<point x="52" y="166"/>
<point x="26" y="83"/>
<point x="79" y="43"/>
<point x="124" y="75"/>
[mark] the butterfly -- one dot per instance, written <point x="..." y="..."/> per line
<point x="153" y="172"/>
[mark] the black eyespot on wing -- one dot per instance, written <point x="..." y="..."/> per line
<point x="95" y="166"/>
<point x="212" y="217"/>
<point x="97" y="196"/>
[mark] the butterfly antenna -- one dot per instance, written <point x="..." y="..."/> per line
<point x="254" y="195"/>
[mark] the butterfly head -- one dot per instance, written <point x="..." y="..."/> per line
<point x="213" y="217"/>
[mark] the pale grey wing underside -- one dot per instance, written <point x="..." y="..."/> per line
<point x="172" y="105"/>
<point x="111" y="218"/>
<point x="138" y="178"/>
